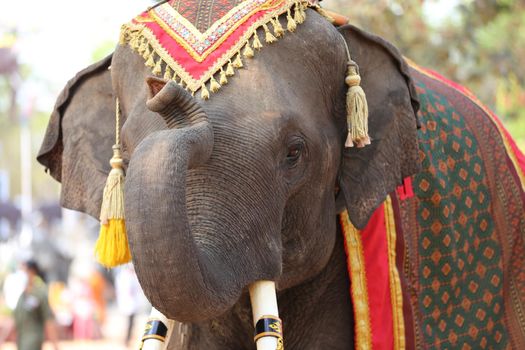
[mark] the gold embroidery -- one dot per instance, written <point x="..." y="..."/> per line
<point x="359" y="287"/>
<point x="396" y="295"/>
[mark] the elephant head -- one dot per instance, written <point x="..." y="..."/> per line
<point x="243" y="186"/>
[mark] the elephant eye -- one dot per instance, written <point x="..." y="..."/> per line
<point x="294" y="152"/>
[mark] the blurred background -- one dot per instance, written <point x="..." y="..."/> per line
<point x="480" y="44"/>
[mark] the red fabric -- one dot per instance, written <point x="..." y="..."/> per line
<point x="185" y="60"/>
<point x="405" y="190"/>
<point x="375" y="251"/>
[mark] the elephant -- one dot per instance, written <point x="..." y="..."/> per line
<point x="247" y="186"/>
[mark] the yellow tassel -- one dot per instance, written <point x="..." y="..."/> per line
<point x="229" y="70"/>
<point x="158" y="67"/>
<point x="291" y="26"/>
<point x="277" y="27"/>
<point x="237" y="63"/>
<point x="167" y="73"/>
<point x="112" y="247"/>
<point x="269" y="36"/>
<point x="256" y="42"/>
<point x="357" y="111"/>
<point x="150" y="62"/>
<point x="214" y="85"/>
<point x="205" y="94"/>
<point x="223" y="79"/>
<point x="248" y="52"/>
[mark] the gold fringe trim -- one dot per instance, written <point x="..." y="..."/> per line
<point x="277" y="28"/>
<point x="223" y="79"/>
<point x="214" y="85"/>
<point x="256" y="42"/>
<point x="248" y="52"/>
<point x="291" y="25"/>
<point x="158" y="67"/>
<point x="168" y="74"/>
<point x="205" y="94"/>
<point x="229" y="70"/>
<point x="237" y="63"/>
<point x="299" y="14"/>
<point x="396" y="294"/>
<point x="142" y="40"/>
<point x="359" y="289"/>
<point x="269" y="38"/>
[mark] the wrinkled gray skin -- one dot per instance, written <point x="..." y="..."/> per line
<point x="242" y="187"/>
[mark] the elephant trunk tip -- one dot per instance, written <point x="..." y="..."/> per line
<point x="173" y="103"/>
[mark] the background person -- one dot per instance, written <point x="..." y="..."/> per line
<point x="32" y="316"/>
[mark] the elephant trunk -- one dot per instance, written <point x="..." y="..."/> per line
<point x="168" y="261"/>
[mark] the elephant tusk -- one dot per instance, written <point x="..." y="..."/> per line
<point x="268" y="325"/>
<point x="157" y="331"/>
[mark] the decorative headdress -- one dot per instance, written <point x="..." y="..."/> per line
<point x="199" y="44"/>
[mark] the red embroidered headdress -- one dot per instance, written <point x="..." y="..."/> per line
<point x="200" y="42"/>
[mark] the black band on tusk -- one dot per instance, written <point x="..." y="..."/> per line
<point x="268" y="326"/>
<point x="155" y="329"/>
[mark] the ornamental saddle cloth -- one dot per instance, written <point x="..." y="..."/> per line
<point x="200" y="43"/>
<point x="441" y="264"/>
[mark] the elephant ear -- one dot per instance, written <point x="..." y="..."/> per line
<point x="77" y="144"/>
<point x="369" y="174"/>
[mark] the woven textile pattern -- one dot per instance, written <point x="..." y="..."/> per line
<point x="463" y="250"/>
<point x="203" y="13"/>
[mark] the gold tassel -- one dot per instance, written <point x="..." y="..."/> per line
<point x="357" y="110"/>
<point x="229" y="70"/>
<point x="237" y="63"/>
<point x="158" y="67"/>
<point x="134" y="42"/>
<point x="142" y="46"/>
<point x="299" y="13"/>
<point x="214" y="85"/>
<point x="248" y="52"/>
<point x="269" y="36"/>
<point x="112" y="246"/>
<point x="147" y="53"/>
<point x="205" y="94"/>
<point x="291" y="26"/>
<point x="123" y="35"/>
<point x="256" y="42"/>
<point x="223" y="79"/>
<point x="150" y="62"/>
<point x="277" y="27"/>
<point x="167" y="73"/>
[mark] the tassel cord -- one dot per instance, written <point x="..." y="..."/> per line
<point x="117" y="123"/>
